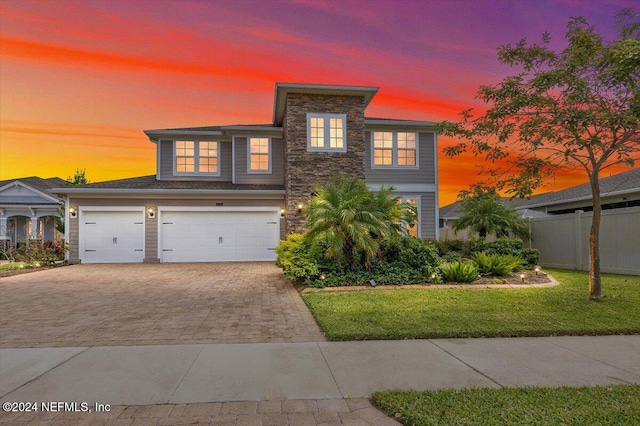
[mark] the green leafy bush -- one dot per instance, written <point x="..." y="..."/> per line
<point x="37" y="253"/>
<point x="497" y="264"/>
<point x="455" y="249"/>
<point x="403" y="260"/>
<point x="459" y="272"/>
<point x="297" y="258"/>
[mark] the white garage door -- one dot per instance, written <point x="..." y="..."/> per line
<point x="218" y="236"/>
<point x="111" y="236"/>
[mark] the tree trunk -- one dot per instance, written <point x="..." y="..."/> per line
<point x="595" y="280"/>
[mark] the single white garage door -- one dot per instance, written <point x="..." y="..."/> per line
<point x="218" y="236"/>
<point x="111" y="236"/>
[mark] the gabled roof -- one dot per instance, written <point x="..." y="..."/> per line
<point x="37" y="185"/>
<point x="151" y="184"/>
<point x="622" y="183"/>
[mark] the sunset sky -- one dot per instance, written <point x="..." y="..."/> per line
<point x="81" y="80"/>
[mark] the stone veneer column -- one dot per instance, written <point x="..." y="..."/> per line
<point x="304" y="169"/>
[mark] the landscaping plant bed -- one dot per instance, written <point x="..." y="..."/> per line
<point x="531" y="279"/>
<point x="27" y="269"/>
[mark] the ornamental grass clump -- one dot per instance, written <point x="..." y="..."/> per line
<point x="459" y="272"/>
<point x="499" y="265"/>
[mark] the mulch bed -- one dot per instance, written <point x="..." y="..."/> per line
<point x="20" y="271"/>
<point x="531" y="279"/>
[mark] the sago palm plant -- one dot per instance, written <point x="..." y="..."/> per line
<point x="351" y="220"/>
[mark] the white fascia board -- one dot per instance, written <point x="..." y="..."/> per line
<point x="583" y="198"/>
<point x="405" y="187"/>
<point x="167" y="192"/>
<point x="398" y="123"/>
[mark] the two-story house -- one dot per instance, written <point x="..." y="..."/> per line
<point x="230" y="193"/>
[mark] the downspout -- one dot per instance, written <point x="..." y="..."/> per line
<point x="66" y="226"/>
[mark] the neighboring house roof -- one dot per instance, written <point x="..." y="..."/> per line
<point x="150" y="183"/>
<point x="40" y="185"/>
<point x="619" y="184"/>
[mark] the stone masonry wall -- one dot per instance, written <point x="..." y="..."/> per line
<point x="304" y="169"/>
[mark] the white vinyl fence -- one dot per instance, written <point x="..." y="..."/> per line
<point x="563" y="240"/>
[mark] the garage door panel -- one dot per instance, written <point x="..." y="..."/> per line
<point x="112" y="237"/>
<point x="216" y="236"/>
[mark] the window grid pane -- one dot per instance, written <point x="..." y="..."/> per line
<point x="259" y="154"/>
<point x="185" y="156"/>
<point x="383" y="148"/>
<point x="336" y="131"/>
<point x="208" y="161"/>
<point x="406" y="140"/>
<point x="406" y="157"/>
<point x="317" y="132"/>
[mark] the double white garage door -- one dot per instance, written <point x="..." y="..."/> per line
<point x="182" y="235"/>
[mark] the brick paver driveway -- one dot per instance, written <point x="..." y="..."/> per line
<point x="139" y="304"/>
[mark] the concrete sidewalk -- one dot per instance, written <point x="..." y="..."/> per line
<point x="142" y="375"/>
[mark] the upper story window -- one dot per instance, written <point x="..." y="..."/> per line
<point x="259" y="151"/>
<point x="193" y="157"/>
<point x="395" y="149"/>
<point x="326" y="132"/>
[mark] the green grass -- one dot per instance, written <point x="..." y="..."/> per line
<point x="431" y="313"/>
<point x="598" y="405"/>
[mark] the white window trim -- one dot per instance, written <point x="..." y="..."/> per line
<point x="258" y="172"/>
<point x="196" y="153"/>
<point x="418" y="207"/>
<point x="394" y="147"/>
<point x="327" y="132"/>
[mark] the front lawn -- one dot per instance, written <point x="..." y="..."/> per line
<point x="601" y="405"/>
<point x="432" y="313"/>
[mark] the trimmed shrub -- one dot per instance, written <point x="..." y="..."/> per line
<point x="297" y="258"/>
<point x="459" y="272"/>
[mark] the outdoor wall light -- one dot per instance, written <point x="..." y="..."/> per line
<point x="151" y="213"/>
<point x="300" y="207"/>
<point x="522" y="277"/>
<point x="282" y="212"/>
<point x="73" y="212"/>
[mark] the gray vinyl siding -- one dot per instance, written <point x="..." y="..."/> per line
<point x="428" y="215"/>
<point x="425" y="174"/>
<point x="277" y="163"/>
<point x="166" y="164"/>
<point x="151" y="225"/>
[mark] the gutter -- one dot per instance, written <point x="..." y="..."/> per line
<point x="167" y="191"/>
